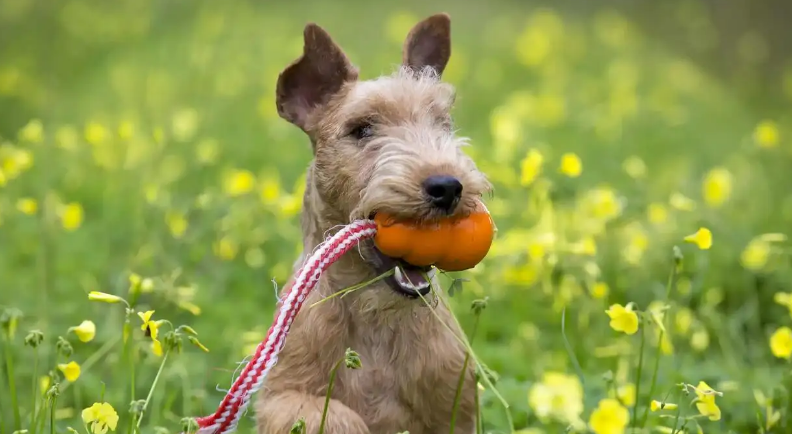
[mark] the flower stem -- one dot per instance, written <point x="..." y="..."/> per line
<point x="12" y="384"/>
<point x="461" y="381"/>
<point x="327" y="395"/>
<point x="153" y="386"/>
<point x="34" y="391"/>
<point x="52" y="414"/>
<point x="658" y="355"/>
<point x="638" y="376"/>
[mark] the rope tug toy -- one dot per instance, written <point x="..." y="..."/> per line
<point x="473" y="234"/>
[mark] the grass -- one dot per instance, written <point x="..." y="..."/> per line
<point x="141" y="156"/>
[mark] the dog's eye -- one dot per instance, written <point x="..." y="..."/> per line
<point x="362" y="131"/>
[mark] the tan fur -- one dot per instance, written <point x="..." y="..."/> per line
<point x="410" y="362"/>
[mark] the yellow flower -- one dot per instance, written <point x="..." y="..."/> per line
<point x="156" y="348"/>
<point x="702" y="238"/>
<point x="657" y="405"/>
<point x="657" y="213"/>
<point x="151" y="328"/>
<point x="104" y="297"/>
<point x="27" y="206"/>
<point x="531" y="167"/>
<point x="766" y="134"/>
<point x="784" y="299"/>
<point x="717" y="187"/>
<point x="95" y="133"/>
<point x="699" y="341"/>
<point x="604" y="203"/>
<point x="634" y="167"/>
<point x="85" y="331"/>
<point x="557" y="397"/>
<point x="70" y="370"/>
<point x="781" y="343"/>
<point x="126" y="130"/>
<point x="757" y="253"/>
<point x="239" y="182"/>
<point x="599" y="290"/>
<point x="71" y="216"/>
<point x="226" y="249"/>
<point x="705" y="402"/>
<point x="626" y="394"/>
<point x="623" y="319"/>
<point x="682" y="202"/>
<point x="610" y="417"/>
<point x="32" y="132"/>
<point x="176" y="223"/>
<point x="571" y="165"/>
<point x="100" y="417"/>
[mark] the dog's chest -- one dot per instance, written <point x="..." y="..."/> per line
<point x="406" y="375"/>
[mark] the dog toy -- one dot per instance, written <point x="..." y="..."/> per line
<point x="453" y="244"/>
<point x="226" y="418"/>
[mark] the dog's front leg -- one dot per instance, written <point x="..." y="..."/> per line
<point x="279" y="411"/>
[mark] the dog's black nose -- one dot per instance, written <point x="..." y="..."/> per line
<point x="443" y="191"/>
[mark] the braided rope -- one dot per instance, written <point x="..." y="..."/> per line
<point x="235" y="403"/>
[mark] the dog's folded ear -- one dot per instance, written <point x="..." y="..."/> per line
<point x="429" y="44"/>
<point x="310" y="81"/>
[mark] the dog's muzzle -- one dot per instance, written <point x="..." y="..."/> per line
<point x="407" y="279"/>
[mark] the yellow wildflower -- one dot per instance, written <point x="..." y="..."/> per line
<point x="702" y="238"/>
<point x="699" y="341"/>
<point x="239" y="182"/>
<point x="104" y="297"/>
<point x="705" y="402"/>
<point x="657" y="406"/>
<point x="626" y="394"/>
<point x="70" y="370"/>
<point x="100" y="417"/>
<point x="682" y="202"/>
<point x="571" y="165"/>
<point x="784" y="299"/>
<point x="156" y="348"/>
<point x="558" y="396"/>
<point x="126" y="130"/>
<point x="27" y="206"/>
<point x="599" y="290"/>
<point x="657" y="213"/>
<point x="71" y="216"/>
<point x="604" y="203"/>
<point x="177" y="224"/>
<point x="85" y="331"/>
<point x="32" y="132"/>
<point x="623" y="318"/>
<point x="226" y="249"/>
<point x="610" y="417"/>
<point x="95" y="133"/>
<point x="530" y="167"/>
<point x="766" y="134"/>
<point x="717" y="187"/>
<point x="781" y="343"/>
<point x="634" y="167"/>
<point x="151" y="328"/>
<point x="756" y="254"/>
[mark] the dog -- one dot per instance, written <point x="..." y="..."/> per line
<point x="382" y="145"/>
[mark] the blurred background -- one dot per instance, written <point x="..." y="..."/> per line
<point x="141" y="136"/>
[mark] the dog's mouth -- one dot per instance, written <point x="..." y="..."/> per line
<point x="407" y="279"/>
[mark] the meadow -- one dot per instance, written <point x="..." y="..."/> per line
<point x="639" y="280"/>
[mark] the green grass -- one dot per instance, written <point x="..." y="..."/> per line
<point x="148" y="115"/>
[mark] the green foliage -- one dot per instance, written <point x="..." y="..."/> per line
<point x="141" y="156"/>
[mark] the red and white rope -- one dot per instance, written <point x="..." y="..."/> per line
<point x="236" y="401"/>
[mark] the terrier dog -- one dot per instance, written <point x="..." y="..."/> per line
<point x="384" y="145"/>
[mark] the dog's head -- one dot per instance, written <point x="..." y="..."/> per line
<point x="383" y="145"/>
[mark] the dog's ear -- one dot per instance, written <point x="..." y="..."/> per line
<point x="311" y="80"/>
<point x="429" y="44"/>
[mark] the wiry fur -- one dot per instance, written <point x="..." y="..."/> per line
<point x="410" y="362"/>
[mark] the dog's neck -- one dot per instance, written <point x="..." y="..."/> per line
<point x="317" y="223"/>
